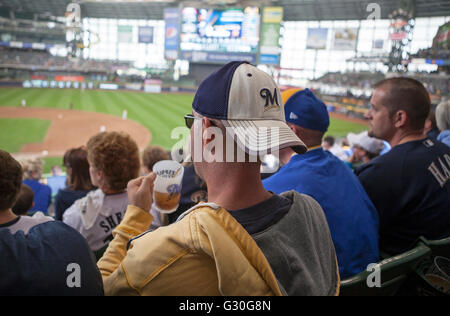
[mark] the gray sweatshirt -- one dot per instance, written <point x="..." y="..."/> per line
<point x="302" y="242"/>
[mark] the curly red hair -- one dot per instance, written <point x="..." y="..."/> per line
<point x="116" y="155"/>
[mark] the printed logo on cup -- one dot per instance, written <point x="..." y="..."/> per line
<point x="174" y="189"/>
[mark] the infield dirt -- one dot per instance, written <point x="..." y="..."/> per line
<point x="72" y="128"/>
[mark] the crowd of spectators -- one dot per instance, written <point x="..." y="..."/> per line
<point x="363" y="80"/>
<point x="298" y="232"/>
<point x="39" y="59"/>
<point x="433" y="53"/>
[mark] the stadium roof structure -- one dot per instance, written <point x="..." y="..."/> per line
<point x="295" y="10"/>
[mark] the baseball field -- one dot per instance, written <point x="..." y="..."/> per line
<point x="55" y="120"/>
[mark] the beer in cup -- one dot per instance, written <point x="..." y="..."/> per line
<point x="167" y="187"/>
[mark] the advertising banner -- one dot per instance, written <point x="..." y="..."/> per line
<point x="108" y="86"/>
<point x="378" y="44"/>
<point x="146" y="34"/>
<point x="398" y="36"/>
<point x="317" y="38"/>
<point x="270" y="36"/>
<point x="70" y="78"/>
<point x="153" y="86"/>
<point x="171" y="17"/>
<point x="345" y="39"/>
<point x="125" y="33"/>
<point x="211" y="57"/>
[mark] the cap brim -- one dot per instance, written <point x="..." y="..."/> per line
<point x="353" y="139"/>
<point x="264" y="136"/>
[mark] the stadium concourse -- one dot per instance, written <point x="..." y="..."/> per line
<point x="351" y="198"/>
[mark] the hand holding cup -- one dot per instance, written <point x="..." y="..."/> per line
<point x="140" y="191"/>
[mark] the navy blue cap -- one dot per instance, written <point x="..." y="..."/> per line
<point x="211" y="99"/>
<point x="306" y="110"/>
<point x="248" y="102"/>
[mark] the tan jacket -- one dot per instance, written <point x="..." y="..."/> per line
<point x="206" y="253"/>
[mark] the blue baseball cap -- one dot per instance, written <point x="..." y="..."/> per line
<point x="306" y="110"/>
<point x="249" y="104"/>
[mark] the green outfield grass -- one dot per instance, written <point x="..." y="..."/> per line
<point x="14" y="133"/>
<point x="340" y="128"/>
<point x="159" y="113"/>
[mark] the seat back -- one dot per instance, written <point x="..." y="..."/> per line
<point x="438" y="247"/>
<point x="393" y="272"/>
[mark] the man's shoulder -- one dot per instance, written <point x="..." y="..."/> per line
<point x="26" y="223"/>
<point x="305" y="206"/>
<point x="389" y="161"/>
<point x="289" y="173"/>
<point x="72" y="216"/>
<point x="80" y="204"/>
<point x="53" y="242"/>
<point x="41" y="228"/>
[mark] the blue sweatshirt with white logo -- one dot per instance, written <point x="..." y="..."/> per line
<point x="42" y="257"/>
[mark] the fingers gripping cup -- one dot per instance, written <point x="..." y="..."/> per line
<point x="167" y="187"/>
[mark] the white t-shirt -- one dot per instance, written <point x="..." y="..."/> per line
<point x="25" y="223"/>
<point x="339" y="152"/>
<point x="96" y="215"/>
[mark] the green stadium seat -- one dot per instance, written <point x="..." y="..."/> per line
<point x="394" y="272"/>
<point x="438" y="247"/>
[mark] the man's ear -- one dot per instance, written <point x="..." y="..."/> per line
<point x="293" y="128"/>
<point x="428" y="124"/>
<point x="207" y="123"/>
<point x="400" y="118"/>
<point x="100" y="178"/>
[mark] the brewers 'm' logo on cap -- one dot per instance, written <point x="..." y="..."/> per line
<point x="247" y="101"/>
<point x="272" y="99"/>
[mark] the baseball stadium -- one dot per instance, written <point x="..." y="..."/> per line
<point x="73" y="72"/>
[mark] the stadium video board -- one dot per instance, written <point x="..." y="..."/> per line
<point x="219" y="35"/>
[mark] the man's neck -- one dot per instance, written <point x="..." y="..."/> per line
<point x="286" y="155"/>
<point x="236" y="186"/>
<point x="405" y="137"/>
<point x="7" y="216"/>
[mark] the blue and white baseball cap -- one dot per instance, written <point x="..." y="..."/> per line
<point x="247" y="101"/>
<point x="304" y="109"/>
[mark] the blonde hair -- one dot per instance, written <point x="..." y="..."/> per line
<point x="32" y="168"/>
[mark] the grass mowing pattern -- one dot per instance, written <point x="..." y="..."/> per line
<point x="14" y="133"/>
<point x="340" y="128"/>
<point x="159" y="113"/>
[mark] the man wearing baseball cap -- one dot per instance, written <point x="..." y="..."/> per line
<point x="365" y="148"/>
<point x="352" y="218"/>
<point x="245" y="240"/>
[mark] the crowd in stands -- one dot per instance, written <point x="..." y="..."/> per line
<point x="37" y="59"/>
<point x="435" y="84"/>
<point x="324" y="216"/>
<point x="363" y="80"/>
<point x="432" y="53"/>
